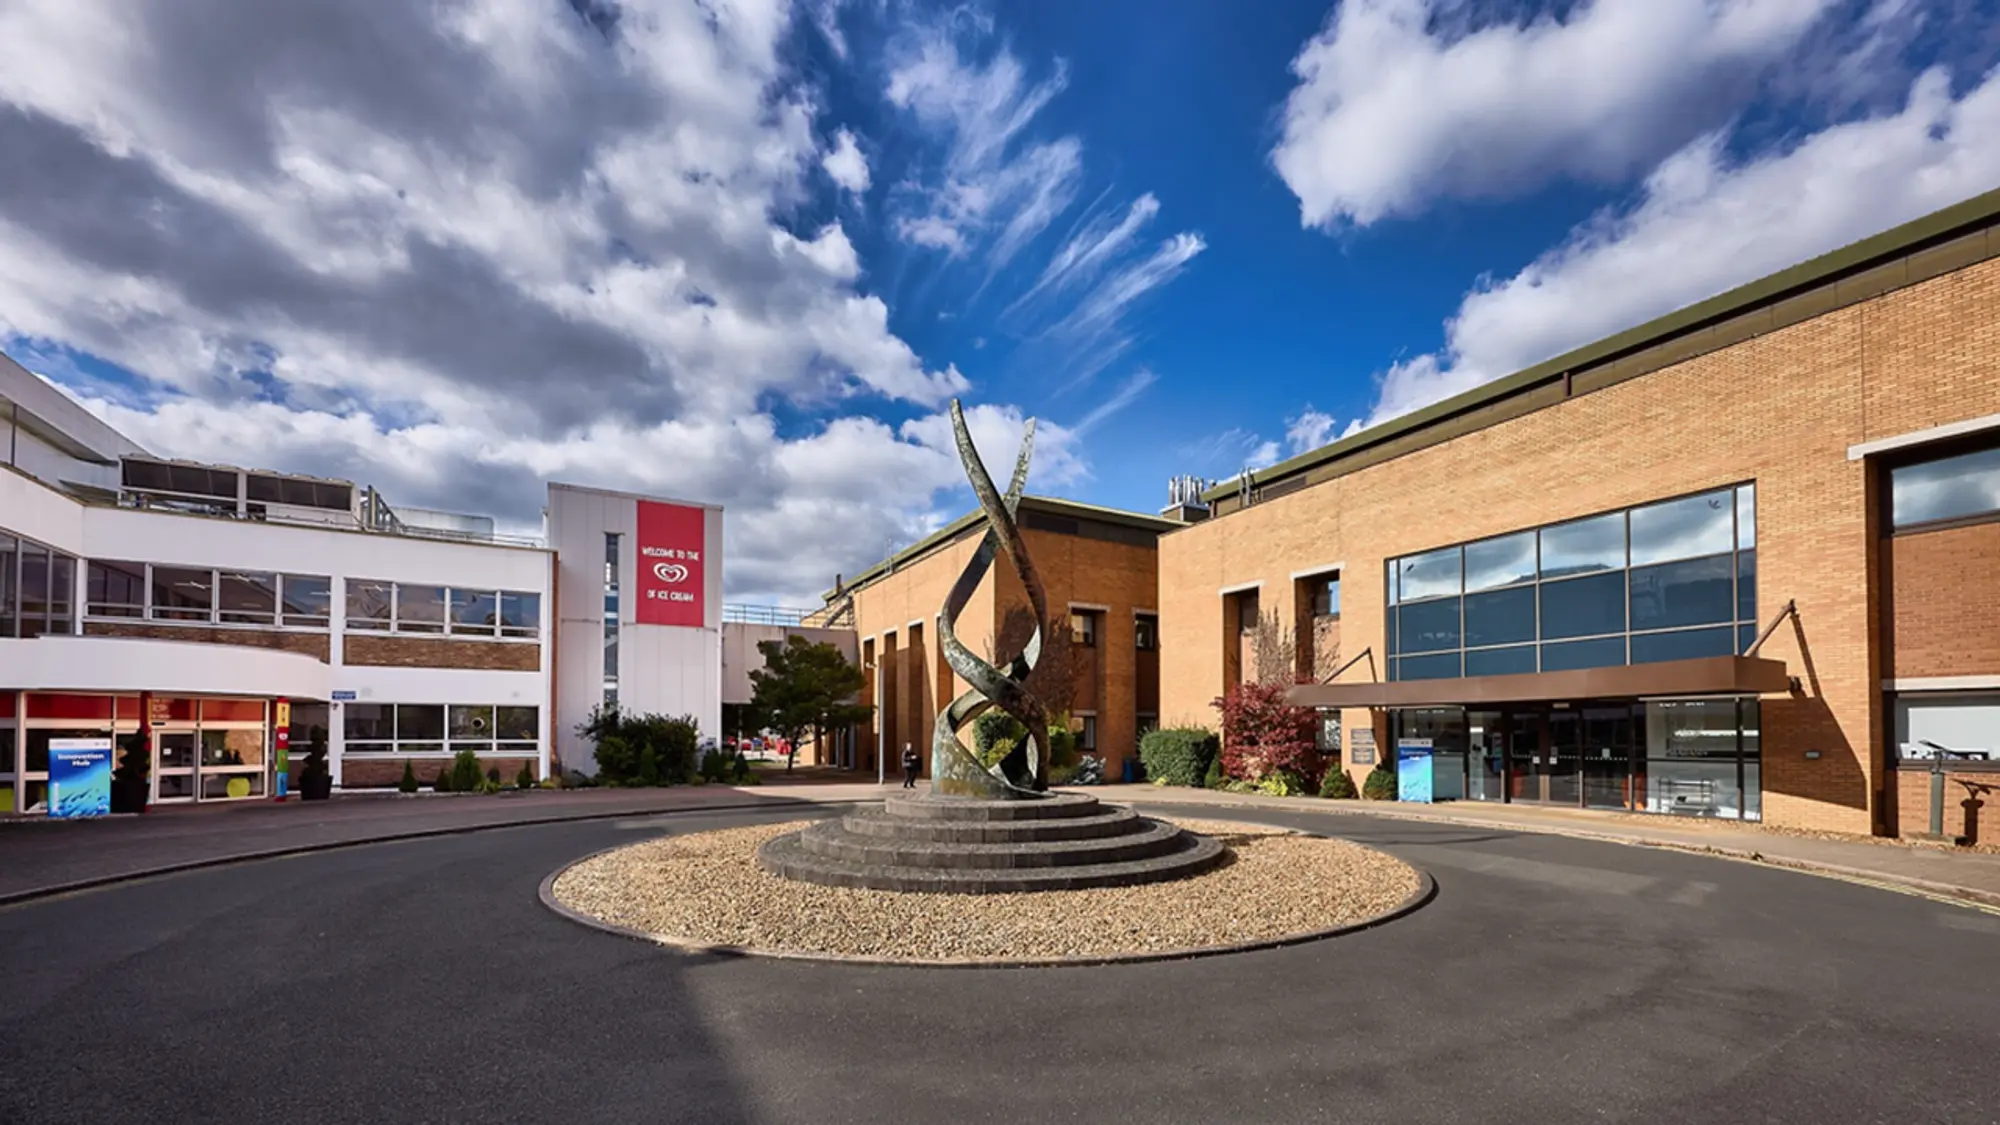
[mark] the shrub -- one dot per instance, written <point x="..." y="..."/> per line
<point x="442" y="783"/>
<point x="1380" y="784"/>
<point x="1179" y="755"/>
<point x="989" y="728"/>
<point x="621" y="741"/>
<point x="649" y="768"/>
<point x="1214" y="778"/>
<point x="1263" y="734"/>
<point x="493" y="774"/>
<point x="1337" y="786"/>
<point x="739" y="769"/>
<point x="997" y="750"/>
<point x="409" y="782"/>
<point x="526" y="778"/>
<point x="1282" y="783"/>
<point x="465" y="772"/>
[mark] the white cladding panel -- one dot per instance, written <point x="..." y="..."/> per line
<point x="28" y="508"/>
<point x="667" y="670"/>
<point x="740" y="656"/>
<point x="119" y="664"/>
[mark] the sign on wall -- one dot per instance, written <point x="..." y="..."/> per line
<point x="80" y="776"/>
<point x="1413" y="769"/>
<point x="1362" y="741"/>
<point x="672" y="544"/>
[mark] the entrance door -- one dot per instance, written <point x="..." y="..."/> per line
<point x="1562" y="757"/>
<point x="1607" y="757"/>
<point x="1527" y="771"/>
<point x="1486" y="755"/>
<point x="173" y="765"/>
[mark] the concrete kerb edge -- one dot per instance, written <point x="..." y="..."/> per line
<point x="57" y="890"/>
<point x="1882" y="880"/>
<point x="1421" y="897"/>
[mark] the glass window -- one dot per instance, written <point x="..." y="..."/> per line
<point x="247" y="597"/>
<point x="34" y="589"/>
<point x="1326" y="597"/>
<point x="1584" y="607"/>
<point x="471" y="724"/>
<point x="420" y="609"/>
<point x="517" y="724"/>
<point x="224" y="749"/>
<point x="1428" y="626"/>
<point x="1584" y="547"/>
<point x="10" y="593"/>
<point x="62" y="593"/>
<point x="1500" y="617"/>
<point x="308" y="600"/>
<point x="610" y="649"/>
<point x="1687" y="528"/>
<point x="1087" y="738"/>
<point x="1683" y="644"/>
<point x="1673" y="595"/>
<point x="1746" y="516"/>
<point x="368" y="603"/>
<point x="1431" y="575"/>
<point x="1443" y="667"/>
<point x="1946" y="489"/>
<point x="182" y="594"/>
<point x="368" y="723"/>
<point x="1603" y="653"/>
<point x="1969" y="723"/>
<point x="1691" y="728"/>
<point x="115" y="589"/>
<point x="1146" y="632"/>
<point x="520" y="614"/>
<point x="1746" y="586"/>
<point x="423" y="721"/>
<point x="1246" y="612"/>
<point x="1500" y="661"/>
<point x="475" y="611"/>
<point x="1492" y="563"/>
<point x="1083" y="629"/>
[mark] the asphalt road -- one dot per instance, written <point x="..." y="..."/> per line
<point x="1551" y="980"/>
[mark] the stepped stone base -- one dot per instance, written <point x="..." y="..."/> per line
<point x="953" y="845"/>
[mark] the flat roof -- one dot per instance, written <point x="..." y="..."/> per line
<point x="1046" y="504"/>
<point x="1957" y="221"/>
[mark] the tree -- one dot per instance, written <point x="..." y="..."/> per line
<point x="1053" y="680"/>
<point x="805" y="685"/>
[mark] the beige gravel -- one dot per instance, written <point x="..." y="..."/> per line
<point x="707" y="889"/>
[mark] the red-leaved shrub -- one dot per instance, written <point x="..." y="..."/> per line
<point x="1262" y="734"/>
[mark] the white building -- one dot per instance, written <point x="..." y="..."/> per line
<point x="216" y="598"/>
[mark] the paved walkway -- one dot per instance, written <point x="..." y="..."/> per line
<point x="38" y="856"/>
<point x="1962" y="874"/>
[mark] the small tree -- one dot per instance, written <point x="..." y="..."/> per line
<point x="1053" y="680"/>
<point x="805" y="685"/>
<point x="409" y="782"/>
<point x="1263" y="734"/>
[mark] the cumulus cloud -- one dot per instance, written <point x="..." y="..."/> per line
<point x="1706" y="222"/>
<point x="1400" y="102"/>
<point x="847" y="164"/>
<point x="457" y="249"/>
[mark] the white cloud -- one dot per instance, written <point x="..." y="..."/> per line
<point x="1089" y="249"/>
<point x="1109" y="301"/>
<point x="1705" y="223"/>
<point x="1396" y="106"/>
<point x="455" y="250"/>
<point x="1124" y="396"/>
<point x="1309" y="429"/>
<point x="847" y="164"/>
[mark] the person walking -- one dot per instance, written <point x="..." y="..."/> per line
<point x="911" y="764"/>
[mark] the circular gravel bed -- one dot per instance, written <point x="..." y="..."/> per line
<point x="706" y="890"/>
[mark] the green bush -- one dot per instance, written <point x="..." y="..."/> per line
<point x="1337" y="786"/>
<point x="739" y="769"/>
<point x="1214" y="779"/>
<point x="409" y="782"/>
<point x="1380" y="785"/>
<point x="1179" y="755"/>
<point x="991" y="727"/>
<point x="526" y="778"/>
<point x="622" y="740"/>
<point x="1062" y="746"/>
<point x="997" y="750"/>
<point x="465" y="772"/>
<point x="442" y="783"/>
<point x="1282" y="783"/>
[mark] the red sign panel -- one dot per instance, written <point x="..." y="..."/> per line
<point x="671" y="561"/>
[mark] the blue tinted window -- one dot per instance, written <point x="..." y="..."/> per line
<point x="1696" y="592"/>
<point x="1500" y="661"/>
<point x="1430" y="575"/>
<point x="1584" y="546"/>
<point x="1746" y="635"/>
<point x="1687" y="528"/>
<point x="1443" y="667"/>
<point x="1650" y="648"/>
<point x="1502" y="617"/>
<point x="1746" y="516"/>
<point x="1746" y="586"/>
<point x="1492" y="563"/>
<point x="1582" y="607"/>
<point x="1603" y="653"/>
<point x="1428" y="626"/>
<point x="1950" y="488"/>
<point x="1394" y="648"/>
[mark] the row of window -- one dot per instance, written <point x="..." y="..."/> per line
<point x="36" y="588"/>
<point x="405" y="608"/>
<point x="200" y="594"/>
<point x="437" y="728"/>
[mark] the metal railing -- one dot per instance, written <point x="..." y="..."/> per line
<point x="766" y="614"/>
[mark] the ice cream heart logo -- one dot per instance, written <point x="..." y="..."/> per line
<point x="671" y="573"/>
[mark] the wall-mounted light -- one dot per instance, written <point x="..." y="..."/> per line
<point x="1812" y="755"/>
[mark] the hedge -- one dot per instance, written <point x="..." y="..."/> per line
<point x="1179" y="755"/>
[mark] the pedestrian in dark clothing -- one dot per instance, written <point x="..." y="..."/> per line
<point x="911" y="764"/>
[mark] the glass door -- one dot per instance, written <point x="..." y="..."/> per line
<point x="1529" y="776"/>
<point x="173" y="765"/>
<point x="1608" y="746"/>
<point x="1486" y="755"/>
<point x="1563" y="756"/>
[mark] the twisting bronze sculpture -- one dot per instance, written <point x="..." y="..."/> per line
<point x="955" y="770"/>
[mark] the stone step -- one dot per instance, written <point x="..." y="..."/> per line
<point x="1145" y="838"/>
<point x="924" y="806"/>
<point x="784" y="856"/>
<point x="1109" y="820"/>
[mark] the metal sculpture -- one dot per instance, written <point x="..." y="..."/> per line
<point x="955" y="770"/>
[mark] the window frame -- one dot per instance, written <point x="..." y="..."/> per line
<point x="1146" y="632"/>
<point x="1924" y="455"/>
<point x="446" y="744"/>
<point x="1082" y="628"/>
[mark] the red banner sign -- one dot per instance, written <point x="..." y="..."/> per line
<point x="671" y="550"/>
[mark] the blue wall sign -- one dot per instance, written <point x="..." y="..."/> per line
<point x="80" y="776"/>
<point x="1413" y="769"/>
<point x="343" y="697"/>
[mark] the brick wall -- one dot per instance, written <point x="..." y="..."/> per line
<point x="317" y="645"/>
<point x="1780" y="409"/>
<point x="1971" y="804"/>
<point x="1944" y="602"/>
<point x="375" y="773"/>
<point x="362" y="649"/>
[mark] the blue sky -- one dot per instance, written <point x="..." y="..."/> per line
<point x="746" y="251"/>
